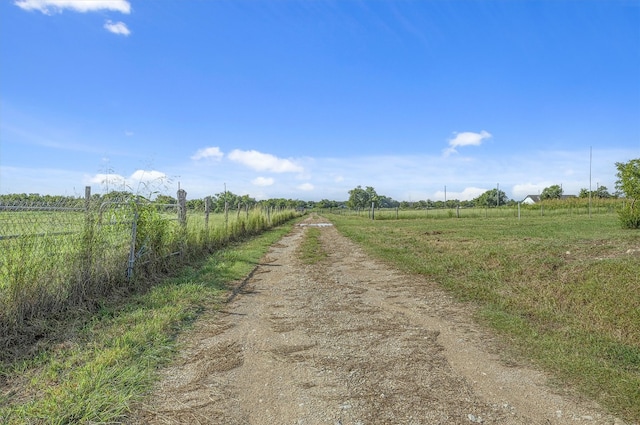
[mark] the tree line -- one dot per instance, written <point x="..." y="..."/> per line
<point x="627" y="185"/>
<point x="217" y="203"/>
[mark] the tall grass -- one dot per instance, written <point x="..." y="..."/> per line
<point x="48" y="272"/>
<point x="564" y="289"/>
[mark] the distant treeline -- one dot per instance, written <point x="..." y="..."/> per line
<point x="217" y="203"/>
<point x="358" y="199"/>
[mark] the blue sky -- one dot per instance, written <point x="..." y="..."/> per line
<point x="309" y="99"/>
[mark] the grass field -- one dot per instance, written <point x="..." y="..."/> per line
<point x="564" y="290"/>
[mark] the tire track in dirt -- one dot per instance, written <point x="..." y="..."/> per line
<point x="349" y="341"/>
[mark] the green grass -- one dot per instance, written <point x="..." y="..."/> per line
<point x="311" y="251"/>
<point x="107" y="361"/>
<point x="564" y="290"/>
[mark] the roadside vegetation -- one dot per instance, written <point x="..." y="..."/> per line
<point x="562" y="290"/>
<point x="99" y="364"/>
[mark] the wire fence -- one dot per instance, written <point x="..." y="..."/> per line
<point x="517" y="211"/>
<point x="75" y="251"/>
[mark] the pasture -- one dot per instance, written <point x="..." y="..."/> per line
<point x="562" y="289"/>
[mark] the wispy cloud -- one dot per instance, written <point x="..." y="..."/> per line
<point x="466" y="138"/>
<point x="213" y="152"/>
<point x="264" y="162"/>
<point x="263" y="181"/>
<point x="49" y="7"/>
<point x="307" y="187"/>
<point x="119" y="28"/>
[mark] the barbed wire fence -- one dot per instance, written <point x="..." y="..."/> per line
<point x="73" y="251"/>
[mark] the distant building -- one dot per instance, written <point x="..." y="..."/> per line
<point x="534" y="199"/>
<point x="531" y="199"/>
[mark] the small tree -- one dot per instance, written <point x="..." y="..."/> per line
<point x="629" y="183"/>
<point x="551" y="192"/>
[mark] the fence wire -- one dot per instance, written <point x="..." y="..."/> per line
<point x="75" y="251"/>
<point x="49" y="253"/>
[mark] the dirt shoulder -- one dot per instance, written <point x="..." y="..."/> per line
<point x="349" y="341"/>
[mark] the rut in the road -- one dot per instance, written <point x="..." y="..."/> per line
<point x="348" y="341"/>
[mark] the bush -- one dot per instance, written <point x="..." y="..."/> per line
<point x="629" y="216"/>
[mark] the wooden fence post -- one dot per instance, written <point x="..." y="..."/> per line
<point x="182" y="206"/>
<point x="207" y="206"/>
<point x="87" y="198"/>
<point x="226" y="215"/>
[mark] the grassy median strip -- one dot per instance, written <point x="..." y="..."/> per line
<point x="311" y="250"/>
<point x="563" y="290"/>
<point x="111" y="359"/>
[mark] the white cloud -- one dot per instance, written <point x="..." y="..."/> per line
<point x="521" y="191"/>
<point x="148" y="176"/>
<point x="211" y="152"/>
<point x="467" y="194"/>
<point x="141" y="182"/>
<point x="306" y="187"/>
<point x="466" y="138"/>
<point x="109" y="181"/>
<point x="49" y="7"/>
<point x="263" y="181"/>
<point x="119" y="28"/>
<point x="264" y="162"/>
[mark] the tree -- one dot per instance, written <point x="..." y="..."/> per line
<point x="629" y="183"/>
<point x="601" y="192"/>
<point x="551" y="192"/>
<point x="491" y="198"/>
<point x="386" y="202"/>
<point x="360" y="198"/>
<point x="166" y="199"/>
<point x="325" y="203"/>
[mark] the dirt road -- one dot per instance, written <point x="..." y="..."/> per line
<point x="349" y="341"/>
